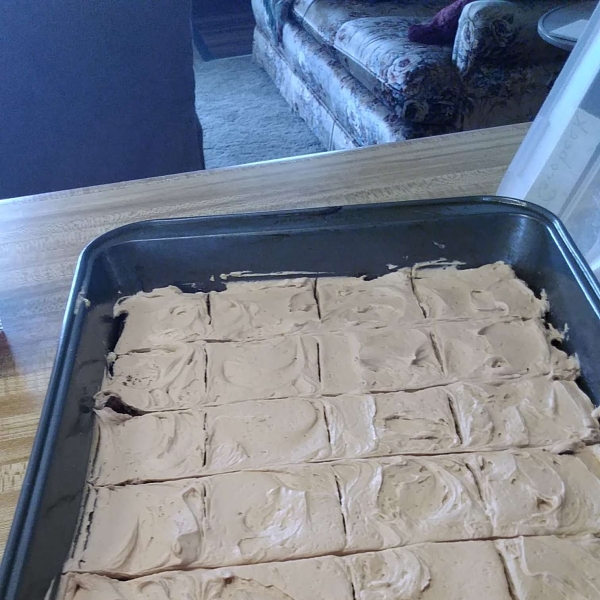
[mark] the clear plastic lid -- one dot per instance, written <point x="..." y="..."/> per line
<point x="558" y="163"/>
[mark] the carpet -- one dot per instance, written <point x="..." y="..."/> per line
<point x="243" y="116"/>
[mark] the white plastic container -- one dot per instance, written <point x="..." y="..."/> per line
<point x="558" y="163"/>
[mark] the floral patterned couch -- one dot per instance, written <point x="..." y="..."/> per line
<point x="347" y="67"/>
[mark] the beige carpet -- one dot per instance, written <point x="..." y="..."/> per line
<point x="244" y="117"/>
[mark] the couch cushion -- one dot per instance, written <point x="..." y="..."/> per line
<point x="504" y="34"/>
<point x="300" y="98"/>
<point x="323" y="18"/>
<point x="502" y="95"/>
<point x="355" y="117"/>
<point x="419" y="82"/>
<point x="356" y="109"/>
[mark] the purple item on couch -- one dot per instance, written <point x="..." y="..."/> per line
<point x="442" y="29"/>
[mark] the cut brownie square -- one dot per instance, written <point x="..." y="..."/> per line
<point x="451" y="571"/>
<point x="534" y="492"/>
<point x="389" y="424"/>
<point x="389" y="503"/>
<point x="167" y="378"/>
<point x="553" y="568"/>
<point x="135" y="530"/>
<point x="262" y="433"/>
<point x="262" y="309"/>
<point x="352" y="302"/>
<point x="150" y="447"/>
<point x="489" y="291"/>
<point x="278" y="368"/>
<point x="500" y="350"/>
<point x="222" y="520"/>
<point x="384" y="360"/>
<point x="536" y="412"/>
<point x="163" y="316"/>
<point x="263" y="516"/>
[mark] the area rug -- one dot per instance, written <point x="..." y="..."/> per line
<point x="243" y="116"/>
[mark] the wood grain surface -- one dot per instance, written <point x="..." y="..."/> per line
<point x="42" y="236"/>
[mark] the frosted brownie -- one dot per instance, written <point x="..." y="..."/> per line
<point x="490" y="291"/>
<point x="262" y="309"/>
<point x="151" y="447"/>
<point x="451" y="571"/>
<point x="281" y="367"/>
<point x="384" y="360"/>
<point x="263" y="433"/>
<point x="403" y="501"/>
<point x="534" y="492"/>
<point x="381" y="360"/>
<point x="389" y="424"/>
<point x="237" y="518"/>
<point x="176" y="444"/>
<point x="324" y="578"/>
<point x="501" y="350"/>
<point x="163" y="316"/>
<point x="167" y="378"/>
<point x="553" y="568"/>
<point x="536" y="412"/>
<point x="355" y="302"/>
<point x="411" y="390"/>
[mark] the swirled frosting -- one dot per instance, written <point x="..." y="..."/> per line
<point x="166" y="378"/>
<point x="398" y="502"/>
<point x="220" y="439"/>
<point x="397" y="573"/>
<point x="280" y="515"/>
<point x="278" y="368"/>
<point x="354" y="302"/>
<point x="413" y="358"/>
<point x="488" y="291"/>
<point x="534" y="492"/>
<point x="414" y="423"/>
<point x="244" y="310"/>
<point x="499" y="350"/>
<point x="311" y="579"/>
<point x="378" y="361"/>
<point x="390" y="424"/>
<point x="163" y="316"/>
<point x="411" y="390"/>
<point x="262" y="309"/>
<point x="451" y="571"/>
<point x="261" y="433"/>
<point x="151" y="447"/>
<point x="537" y="412"/>
<point x="553" y="568"/>
<point x="141" y="529"/>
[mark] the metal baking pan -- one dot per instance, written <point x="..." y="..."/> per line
<point x="186" y="252"/>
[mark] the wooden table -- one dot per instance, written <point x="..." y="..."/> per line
<point x="42" y="236"/>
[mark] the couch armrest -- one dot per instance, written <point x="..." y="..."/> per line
<point x="502" y="33"/>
